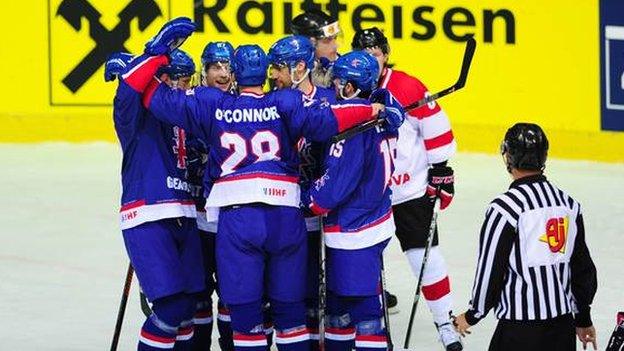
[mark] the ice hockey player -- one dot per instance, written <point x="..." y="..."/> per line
<point x="292" y="59"/>
<point x="216" y="65"/>
<point x="323" y="31"/>
<point x="157" y="211"/>
<point x="216" y="72"/>
<point x="425" y="145"/>
<point x="254" y="166"/>
<point x="354" y="192"/>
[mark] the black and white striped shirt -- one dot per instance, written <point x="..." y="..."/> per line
<point x="533" y="261"/>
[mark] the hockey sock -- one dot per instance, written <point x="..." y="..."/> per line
<point x="367" y="315"/>
<point x="436" y="286"/>
<point x="184" y="339"/>
<point x="186" y="330"/>
<point x="202" y="337"/>
<point x="312" y="322"/>
<point x="160" y="330"/>
<point x="224" y="324"/>
<point x="339" y="329"/>
<point x="247" y="326"/>
<point x="156" y="335"/>
<point x="370" y="336"/>
<point x="291" y="333"/>
<point x="268" y="324"/>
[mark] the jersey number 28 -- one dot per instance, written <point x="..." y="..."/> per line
<point x="264" y="145"/>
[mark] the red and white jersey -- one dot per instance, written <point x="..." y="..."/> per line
<point x="424" y="139"/>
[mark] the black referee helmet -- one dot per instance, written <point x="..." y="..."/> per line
<point x="314" y="24"/>
<point x="368" y="38"/>
<point x="526" y="147"/>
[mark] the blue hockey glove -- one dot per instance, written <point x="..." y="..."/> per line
<point x="393" y="113"/>
<point x="170" y="36"/>
<point x="116" y="65"/>
<point x="379" y="96"/>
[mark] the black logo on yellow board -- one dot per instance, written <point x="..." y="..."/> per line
<point x="82" y="35"/>
<point x="106" y="41"/>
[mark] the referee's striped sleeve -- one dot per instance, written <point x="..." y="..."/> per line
<point x="495" y="243"/>
<point x="584" y="277"/>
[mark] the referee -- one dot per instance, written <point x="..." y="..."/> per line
<point x="534" y="267"/>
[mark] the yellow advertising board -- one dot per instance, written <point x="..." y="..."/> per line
<point x="535" y="61"/>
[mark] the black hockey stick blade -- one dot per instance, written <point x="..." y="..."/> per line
<point x="471" y="45"/>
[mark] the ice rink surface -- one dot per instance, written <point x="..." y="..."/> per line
<point x="62" y="260"/>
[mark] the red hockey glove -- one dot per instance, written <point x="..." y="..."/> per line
<point x="441" y="184"/>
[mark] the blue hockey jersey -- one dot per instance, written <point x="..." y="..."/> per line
<point x="154" y="162"/>
<point x="354" y="190"/>
<point x="252" y="138"/>
<point x="311" y="153"/>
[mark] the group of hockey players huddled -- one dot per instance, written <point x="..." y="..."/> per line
<point x="233" y="190"/>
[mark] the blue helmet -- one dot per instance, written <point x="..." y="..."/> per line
<point x="250" y="65"/>
<point x="358" y="68"/>
<point x="217" y="51"/>
<point x="181" y="65"/>
<point x="292" y="49"/>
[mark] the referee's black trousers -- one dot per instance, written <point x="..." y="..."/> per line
<point x="557" y="334"/>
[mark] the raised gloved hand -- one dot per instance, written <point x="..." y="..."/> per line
<point x="393" y="113"/>
<point x="116" y="65"/>
<point x="170" y="36"/>
<point x="441" y="184"/>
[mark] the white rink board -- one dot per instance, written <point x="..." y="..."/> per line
<point x="62" y="260"/>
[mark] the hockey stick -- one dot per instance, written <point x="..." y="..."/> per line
<point x="145" y="306"/>
<point x="122" y="307"/>
<point x="322" y="289"/>
<point x="384" y="302"/>
<point x="432" y="228"/>
<point x="471" y="45"/>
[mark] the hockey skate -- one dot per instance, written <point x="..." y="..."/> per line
<point x="449" y="337"/>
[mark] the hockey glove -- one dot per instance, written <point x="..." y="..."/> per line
<point x="379" y="96"/>
<point x="441" y="184"/>
<point x="170" y="36"/>
<point x="197" y="157"/>
<point x="304" y="203"/>
<point x="393" y="113"/>
<point x="116" y="65"/>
